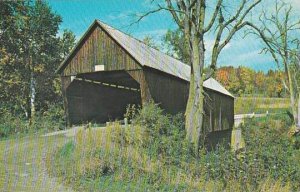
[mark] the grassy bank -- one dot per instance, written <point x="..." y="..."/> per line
<point x="245" y="105"/>
<point x="152" y="155"/>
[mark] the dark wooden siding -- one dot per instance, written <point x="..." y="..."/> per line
<point x="99" y="49"/>
<point x="171" y="93"/>
<point x="219" y="111"/>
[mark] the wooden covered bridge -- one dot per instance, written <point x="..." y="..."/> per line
<point x="107" y="70"/>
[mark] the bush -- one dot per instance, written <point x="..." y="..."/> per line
<point x="269" y="151"/>
<point x="50" y="120"/>
<point x="12" y="124"/>
<point x="164" y="135"/>
<point x="9" y="124"/>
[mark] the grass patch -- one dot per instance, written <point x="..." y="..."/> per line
<point x="152" y="155"/>
<point x="245" y="105"/>
<point x="67" y="149"/>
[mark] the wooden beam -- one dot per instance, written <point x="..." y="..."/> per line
<point x="65" y="82"/>
<point x="107" y="84"/>
<point x="139" y="76"/>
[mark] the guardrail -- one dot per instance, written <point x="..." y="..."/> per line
<point x="240" y="118"/>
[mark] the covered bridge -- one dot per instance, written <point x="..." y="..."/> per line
<point x="107" y="70"/>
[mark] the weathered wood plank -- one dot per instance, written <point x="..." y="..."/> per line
<point x="99" y="49"/>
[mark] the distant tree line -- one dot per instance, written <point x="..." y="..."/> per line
<point x="246" y="81"/>
<point x="31" y="49"/>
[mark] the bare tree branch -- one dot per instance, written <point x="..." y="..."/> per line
<point x="214" y="16"/>
<point x="174" y="14"/>
<point x="217" y="48"/>
<point x="265" y="39"/>
<point x="141" y="17"/>
<point x="160" y="8"/>
<point x="192" y="4"/>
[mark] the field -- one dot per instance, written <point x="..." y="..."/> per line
<point x="246" y="105"/>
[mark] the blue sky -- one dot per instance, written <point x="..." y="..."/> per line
<point x="77" y="16"/>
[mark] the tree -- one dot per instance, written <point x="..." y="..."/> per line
<point x="148" y="40"/>
<point x="259" y="82"/>
<point x="229" y="78"/>
<point x="194" y="21"/>
<point x="67" y="42"/>
<point x="278" y="31"/>
<point x="174" y="43"/>
<point x="30" y="51"/>
<point x="246" y="78"/>
<point x="12" y="83"/>
<point x="274" y="85"/>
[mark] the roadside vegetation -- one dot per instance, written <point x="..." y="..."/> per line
<point x="14" y="125"/>
<point x="152" y="154"/>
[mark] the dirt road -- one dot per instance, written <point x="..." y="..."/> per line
<point x="23" y="165"/>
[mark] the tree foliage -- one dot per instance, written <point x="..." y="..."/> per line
<point x="30" y="51"/>
<point x="173" y="41"/>
<point x="148" y="40"/>
<point x="245" y="81"/>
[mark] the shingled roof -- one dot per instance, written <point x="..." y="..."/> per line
<point x="149" y="57"/>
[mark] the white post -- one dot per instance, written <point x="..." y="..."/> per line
<point x="126" y="122"/>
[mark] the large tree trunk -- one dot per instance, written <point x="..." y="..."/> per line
<point x="195" y="107"/>
<point x="294" y="104"/>
<point x="298" y="116"/>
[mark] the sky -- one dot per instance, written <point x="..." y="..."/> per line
<point x="78" y="15"/>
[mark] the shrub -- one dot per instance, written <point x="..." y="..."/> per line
<point x="164" y="135"/>
<point x="10" y="124"/>
<point x="50" y="120"/>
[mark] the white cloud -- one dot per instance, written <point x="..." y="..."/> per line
<point x="121" y="15"/>
<point x="295" y="4"/>
<point x="155" y="33"/>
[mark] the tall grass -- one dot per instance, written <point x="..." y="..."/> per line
<point x="152" y="154"/>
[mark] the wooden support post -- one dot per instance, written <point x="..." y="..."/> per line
<point x="139" y="76"/>
<point x="65" y="82"/>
